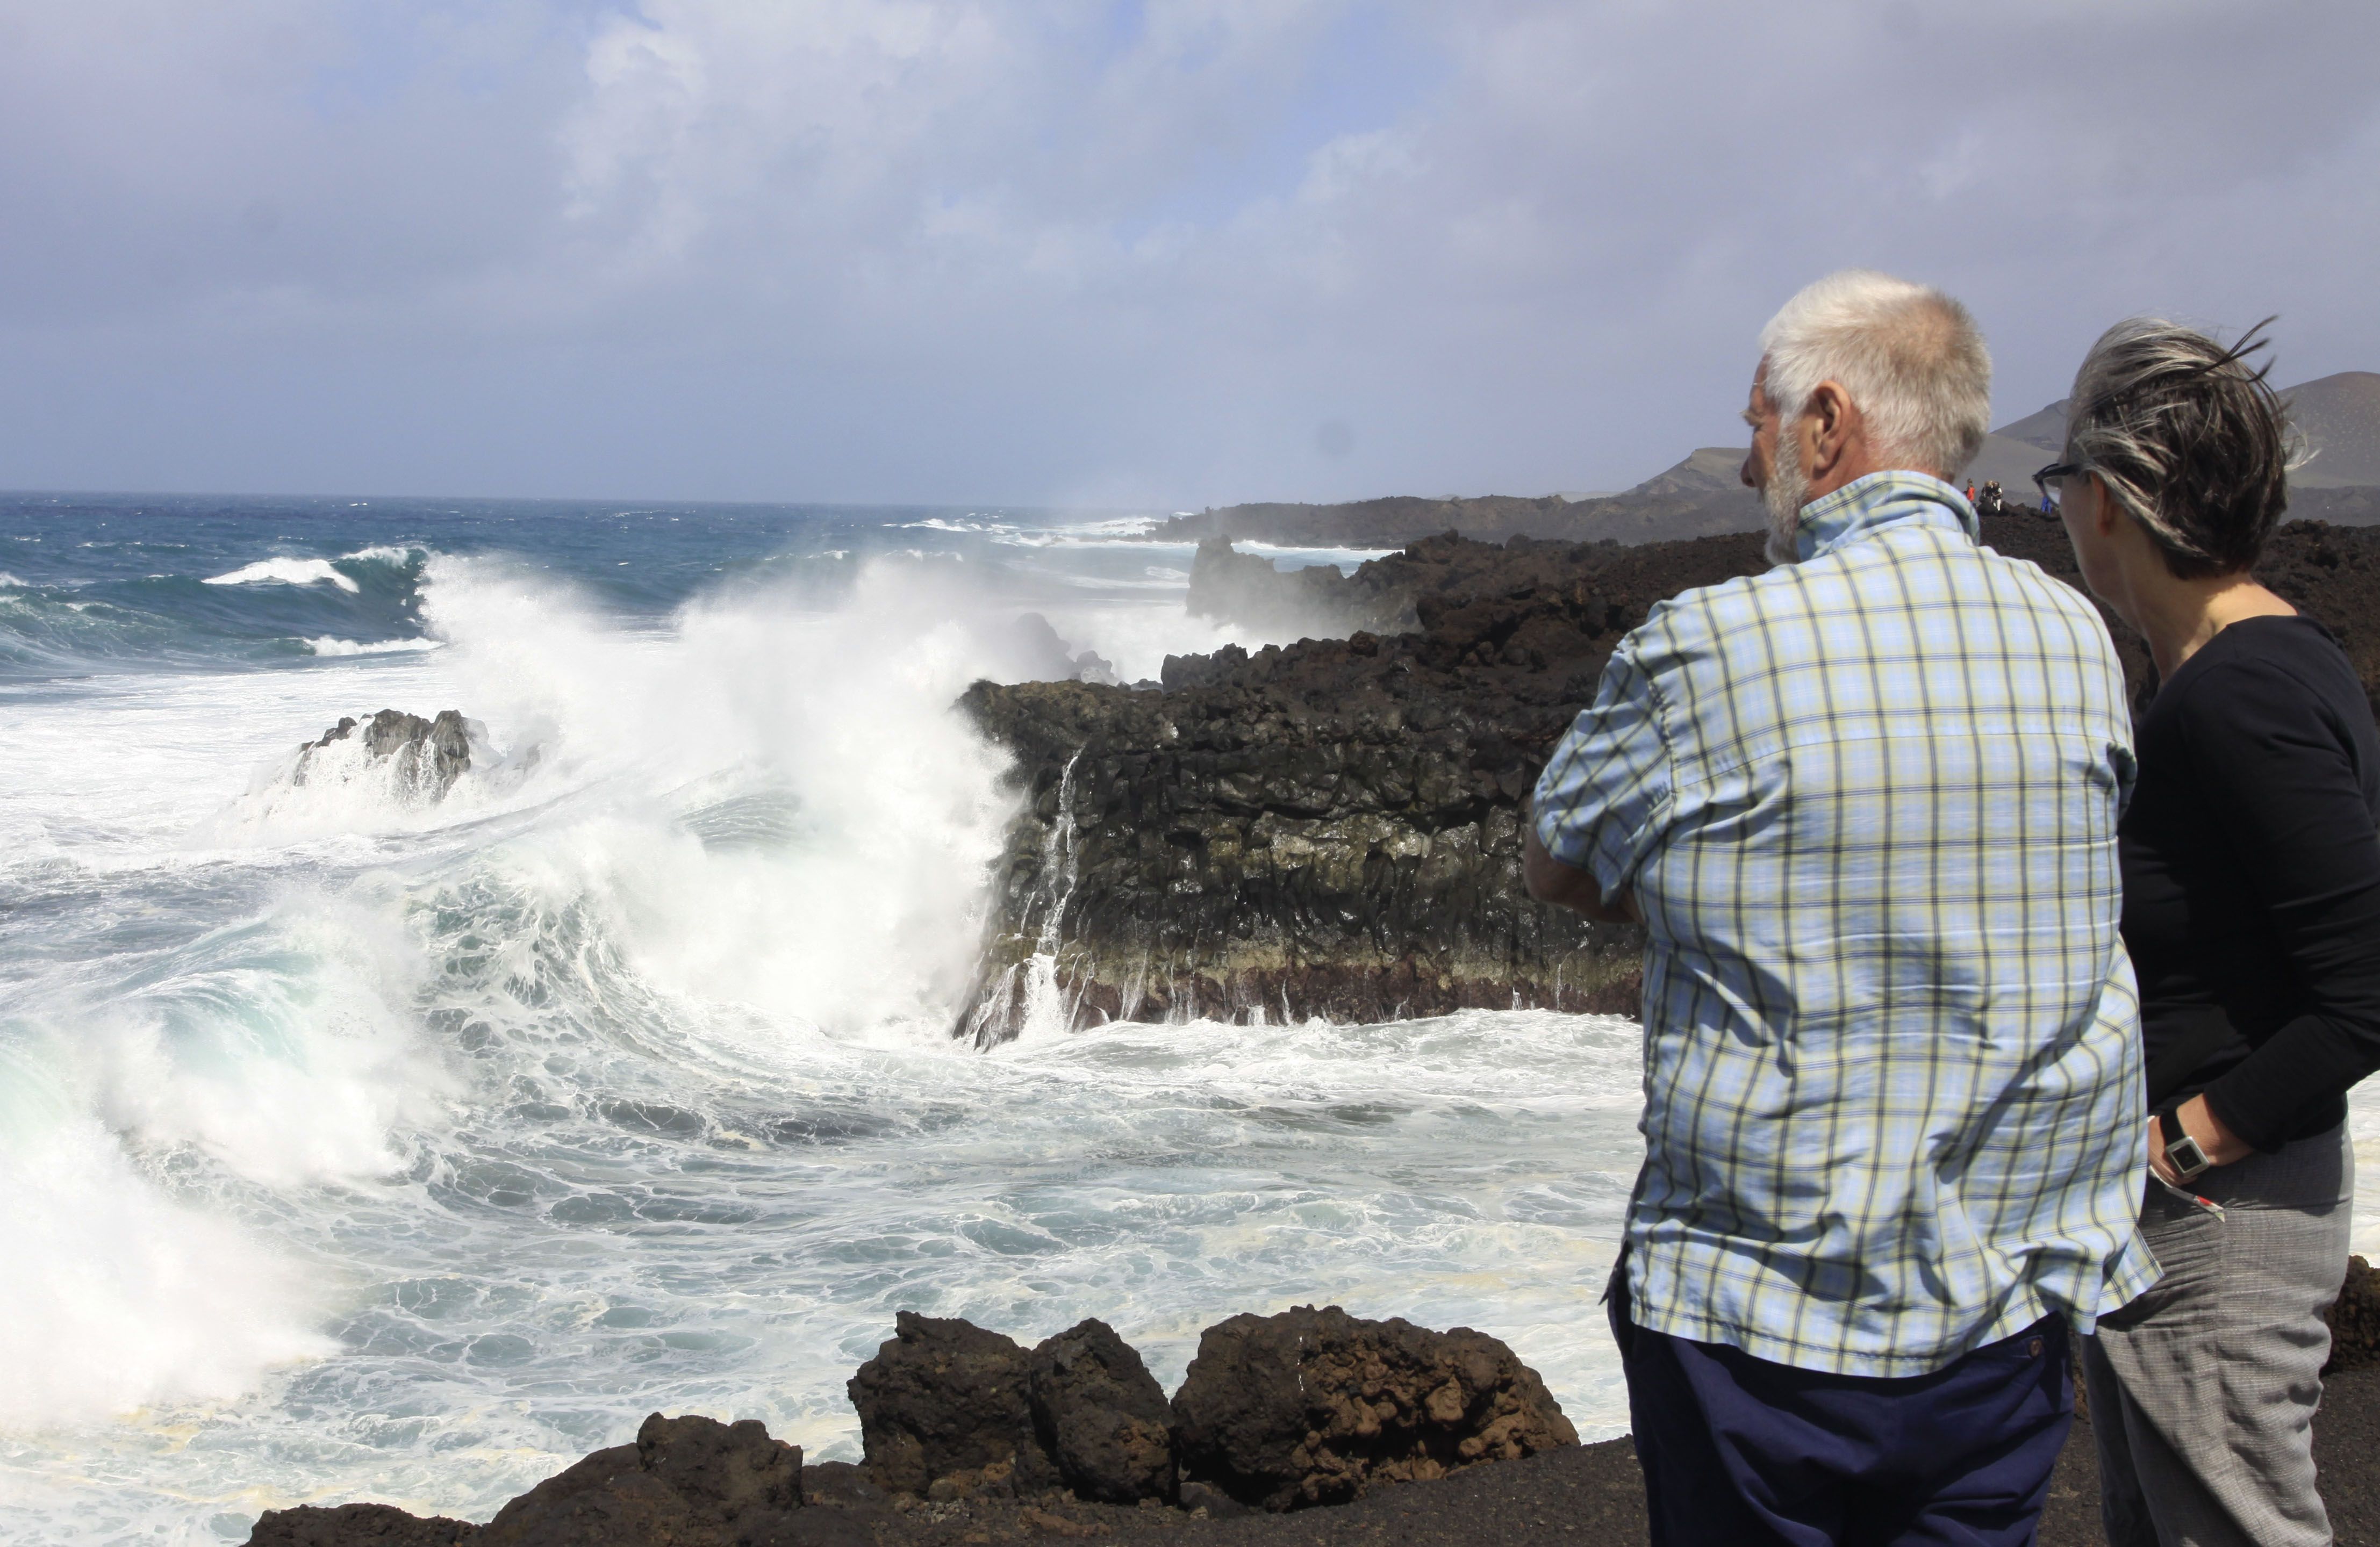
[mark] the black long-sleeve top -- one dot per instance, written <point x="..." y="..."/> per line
<point x="2252" y="876"/>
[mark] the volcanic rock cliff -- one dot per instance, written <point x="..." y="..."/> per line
<point x="1334" y="828"/>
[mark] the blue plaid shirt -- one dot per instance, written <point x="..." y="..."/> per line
<point x="1893" y="1104"/>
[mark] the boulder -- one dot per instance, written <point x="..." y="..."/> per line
<point x="946" y="1402"/>
<point x="687" y="1482"/>
<point x="1316" y="1406"/>
<point x="1101" y="1416"/>
<point x="357" y="1525"/>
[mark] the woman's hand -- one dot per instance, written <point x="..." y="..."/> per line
<point x="2198" y="1120"/>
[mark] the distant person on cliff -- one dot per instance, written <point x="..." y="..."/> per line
<point x="1865" y="805"/>
<point x="2252" y="911"/>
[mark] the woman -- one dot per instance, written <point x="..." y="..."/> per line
<point x="2252" y="910"/>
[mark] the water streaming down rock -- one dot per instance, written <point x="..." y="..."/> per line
<point x="1015" y="993"/>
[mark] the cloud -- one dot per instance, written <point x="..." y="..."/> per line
<point x="996" y="251"/>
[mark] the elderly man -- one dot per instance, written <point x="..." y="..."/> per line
<point x="1865" y="805"/>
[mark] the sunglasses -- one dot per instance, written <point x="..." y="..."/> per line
<point x="2051" y="480"/>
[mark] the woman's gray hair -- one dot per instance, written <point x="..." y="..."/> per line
<point x="1911" y="357"/>
<point x="2190" y="441"/>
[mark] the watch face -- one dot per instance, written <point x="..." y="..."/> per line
<point x="2187" y="1157"/>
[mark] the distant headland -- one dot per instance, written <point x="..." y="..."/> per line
<point x="1702" y="496"/>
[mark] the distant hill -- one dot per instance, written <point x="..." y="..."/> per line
<point x="2044" y="429"/>
<point x="1704" y="495"/>
<point x="2013" y="461"/>
<point x="2340" y="418"/>
<point x="1700" y="496"/>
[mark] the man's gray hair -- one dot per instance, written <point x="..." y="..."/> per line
<point x="1910" y="357"/>
<point x="2188" y="438"/>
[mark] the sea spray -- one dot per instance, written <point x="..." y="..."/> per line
<point x="432" y="1145"/>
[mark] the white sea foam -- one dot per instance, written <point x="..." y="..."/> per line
<point x="381" y="554"/>
<point x="286" y="571"/>
<point x="10" y="582"/>
<point x="629" y="1084"/>
<point x="327" y="646"/>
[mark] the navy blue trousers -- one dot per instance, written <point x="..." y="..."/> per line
<point x="1739" y="1451"/>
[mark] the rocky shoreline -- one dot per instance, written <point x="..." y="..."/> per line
<point x="1309" y="1408"/>
<point x="1333" y="828"/>
<point x="1306" y="1426"/>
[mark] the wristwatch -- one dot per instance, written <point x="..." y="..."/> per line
<point x="2185" y="1153"/>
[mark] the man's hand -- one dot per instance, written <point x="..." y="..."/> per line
<point x="1566" y="885"/>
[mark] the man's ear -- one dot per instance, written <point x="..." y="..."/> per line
<point x="1832" y="407"/>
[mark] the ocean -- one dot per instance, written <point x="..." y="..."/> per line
<point x="358" y="1147"/>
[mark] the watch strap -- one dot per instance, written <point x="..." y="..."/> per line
<point x="2169" y="1126"/>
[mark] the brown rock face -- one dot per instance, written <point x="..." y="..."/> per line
<point x="1316" y="1406"/>
<point x="686" y="1482"/>
<point x="358" y="1525"/>
<point x="946" y="1402"/>
<point x="1102" y="1417"/>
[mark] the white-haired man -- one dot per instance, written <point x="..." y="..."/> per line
<point x="1865" y="805"/>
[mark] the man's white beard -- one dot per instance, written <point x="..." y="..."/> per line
<point x="1788" y="491"/>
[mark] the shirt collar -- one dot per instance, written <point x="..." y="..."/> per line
<point x="1867" y="505"/>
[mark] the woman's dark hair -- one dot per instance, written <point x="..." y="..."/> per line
<point x="2189" y="439"/>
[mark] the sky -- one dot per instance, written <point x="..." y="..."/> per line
<point x="1109" y="254"/>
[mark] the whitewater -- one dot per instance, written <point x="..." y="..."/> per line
<point x="358" y="1146"/>
<point x="354" y="1146"/>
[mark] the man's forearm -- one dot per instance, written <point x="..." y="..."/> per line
<point x="1566" y="885"/>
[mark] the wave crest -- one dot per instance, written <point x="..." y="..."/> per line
<point x="286" y="571"/>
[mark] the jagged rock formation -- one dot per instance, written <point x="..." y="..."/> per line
<point x="689" y="1482"/>
<point x="1277" y="1413"/>
<point x="948" y="1409"/>
<point x="1316" y="1406"/>
<point x="429" y="755"/>
<point x="1334" y="828"/>
<point x="686" y="1482"/>
<point x="946" y="1404"/>
<point x="358" y="1525"/>
<point x="1101" y="1417"/>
